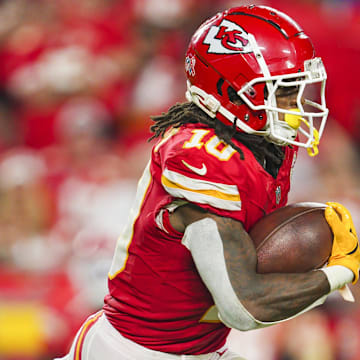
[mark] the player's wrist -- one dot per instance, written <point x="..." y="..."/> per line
<point x="348" y="261"/>
<point x="338" y="276"/>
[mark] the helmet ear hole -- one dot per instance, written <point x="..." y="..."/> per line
<point x="219" y="85"/>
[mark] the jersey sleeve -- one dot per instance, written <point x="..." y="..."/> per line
<point x="194" y="175"/>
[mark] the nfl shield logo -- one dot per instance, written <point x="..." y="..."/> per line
<point x="278" y="194"/>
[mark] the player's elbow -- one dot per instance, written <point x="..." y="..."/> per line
<point x="238" y="320"/>
<point x="234" y="315"/>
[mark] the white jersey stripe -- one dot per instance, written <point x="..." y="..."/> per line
<point x="197" y="184"/>
<point x="213" y="193"/>
<point x="221" y="196"/>
<point x="201" y="198"/>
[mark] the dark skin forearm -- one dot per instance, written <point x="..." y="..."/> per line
<point x="268" y="297"/>
<point x="277" y="296"/>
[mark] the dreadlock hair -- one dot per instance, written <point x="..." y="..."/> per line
<point x="269" y="155"/>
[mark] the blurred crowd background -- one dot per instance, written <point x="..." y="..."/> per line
<point x="78" y="82"/>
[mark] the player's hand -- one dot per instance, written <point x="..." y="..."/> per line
<point x="345" y="250"/>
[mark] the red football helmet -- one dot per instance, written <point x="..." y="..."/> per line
<point x="239" y="60"/>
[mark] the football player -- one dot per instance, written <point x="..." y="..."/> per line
<point x="184" y="269"/>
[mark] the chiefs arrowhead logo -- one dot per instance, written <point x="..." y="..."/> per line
<point x="227" y="38"/>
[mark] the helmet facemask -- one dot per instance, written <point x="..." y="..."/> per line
<point x="303" y="123"/>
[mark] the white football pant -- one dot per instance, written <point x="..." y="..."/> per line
<point x="97" y="339"/>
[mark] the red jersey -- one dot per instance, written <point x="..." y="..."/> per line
<point x="156" y="296"/>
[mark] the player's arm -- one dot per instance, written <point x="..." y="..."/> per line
<point x="226" y="260"/>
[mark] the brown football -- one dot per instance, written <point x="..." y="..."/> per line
<point x="292" y="239"/>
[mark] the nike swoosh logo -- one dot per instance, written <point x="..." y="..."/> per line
<point x="200" y="171"/>
<point x="222" y="352"/>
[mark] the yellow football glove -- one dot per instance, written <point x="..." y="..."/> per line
<point x="345" y="249"/>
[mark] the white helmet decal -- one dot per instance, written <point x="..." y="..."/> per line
<point x="227" y="38"/>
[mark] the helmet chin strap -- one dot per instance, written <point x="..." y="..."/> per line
<point x="288" y="129"/>
<point x="294" y="121"/>
<point x="283" y="131"/>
